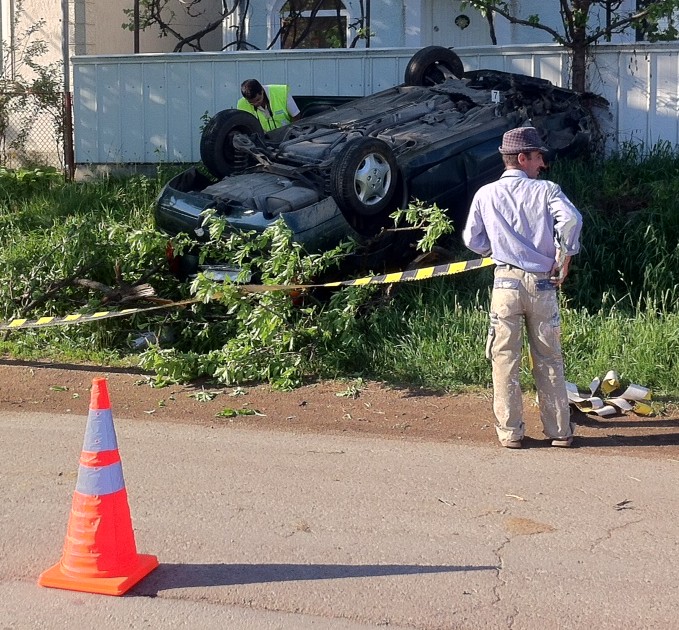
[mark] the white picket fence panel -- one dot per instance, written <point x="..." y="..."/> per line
<point x="149" y="108"/>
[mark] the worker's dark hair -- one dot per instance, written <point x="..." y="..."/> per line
<point x="250" y="88"/>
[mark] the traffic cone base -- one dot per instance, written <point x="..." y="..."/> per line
<point x="54" y="577"/>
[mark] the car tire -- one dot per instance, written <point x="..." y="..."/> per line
<point x="433" y="65"/>
<point x="363" y="181"/>
<point x="216" y="142"/>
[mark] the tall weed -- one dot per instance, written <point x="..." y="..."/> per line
<point x="630" y="237"/>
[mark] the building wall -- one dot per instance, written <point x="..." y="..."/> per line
<point x="111" y="38"/>
<point x="96" y="26"/>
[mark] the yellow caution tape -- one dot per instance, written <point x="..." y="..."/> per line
<point x="389" y="278"/>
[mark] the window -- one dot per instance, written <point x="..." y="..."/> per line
<point x="313" y="24"/>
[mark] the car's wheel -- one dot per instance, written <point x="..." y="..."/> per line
<point x="364" y="180"/>
<point x="433" y="65"/>
<point x="216" y="143"/>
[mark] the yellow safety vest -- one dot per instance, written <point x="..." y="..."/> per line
<point x="278" y="101"/>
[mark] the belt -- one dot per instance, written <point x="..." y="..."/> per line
<point x="512" y="267"/>
<point x="507" y="266"/>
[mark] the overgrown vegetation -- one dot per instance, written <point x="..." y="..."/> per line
<point x="586" y="22"/>
<point x="83" y="247"/>
<point x="630" y="246"/>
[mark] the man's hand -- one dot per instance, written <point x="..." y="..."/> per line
<point x="559" y="272"/>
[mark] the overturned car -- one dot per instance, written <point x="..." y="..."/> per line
<point x="340" y="173"/>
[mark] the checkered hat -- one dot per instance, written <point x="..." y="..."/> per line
<point x="522" y="140"/>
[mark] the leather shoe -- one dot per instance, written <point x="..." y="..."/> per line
<point x="512" y="443"/>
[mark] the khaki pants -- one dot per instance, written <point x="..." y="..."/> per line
<point x="519" y="298"/>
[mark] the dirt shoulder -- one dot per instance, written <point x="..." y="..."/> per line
<point x="326" y="407"/>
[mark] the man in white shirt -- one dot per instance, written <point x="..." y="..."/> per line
<point x="530" y="229"/>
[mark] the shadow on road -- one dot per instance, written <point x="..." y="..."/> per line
<point x="627" y="422"/>
<point x="169" y="576"/>
<point x="659" y="439"/>
<point x="75" y="367"/>
<point x="610" y="440"/>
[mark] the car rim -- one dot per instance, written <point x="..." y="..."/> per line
<point x="373" y="179"/>
<point x="438" y="72"/>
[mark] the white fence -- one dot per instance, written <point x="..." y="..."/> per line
<point x="149" y="108"/>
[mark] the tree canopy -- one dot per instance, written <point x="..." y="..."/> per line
<point x="652" y="20"/>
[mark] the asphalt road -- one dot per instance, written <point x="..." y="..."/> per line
<point x="257" y="529"/>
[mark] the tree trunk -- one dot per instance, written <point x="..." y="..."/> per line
<point x="579" y="49"/>
<point x="579" y="68"/>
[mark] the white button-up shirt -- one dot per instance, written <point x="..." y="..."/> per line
<point x="520" y="221"/>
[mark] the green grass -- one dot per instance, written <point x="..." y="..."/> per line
<point x="619" y="305"/>
<point x="642" y="349"/>
<point x="428" y="337"/>
<point x="435" y="337"/>
<point x="630" y="239"/>
<point x="54" y="232"/>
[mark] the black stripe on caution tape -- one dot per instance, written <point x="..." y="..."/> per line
<point x="388" y="278"/>
<point x="416" y="274"/>
<point x="78" y="318"/>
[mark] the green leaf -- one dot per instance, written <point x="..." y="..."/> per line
<point x="232" y="413"/>
<point x="203" y="396"/>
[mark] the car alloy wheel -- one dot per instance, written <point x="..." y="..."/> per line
<point x="364" y="178"/>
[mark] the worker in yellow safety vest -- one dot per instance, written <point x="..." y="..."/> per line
<point x="272" y="105"/>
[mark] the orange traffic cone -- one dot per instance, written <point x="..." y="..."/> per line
<point x="100" y="554"/>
